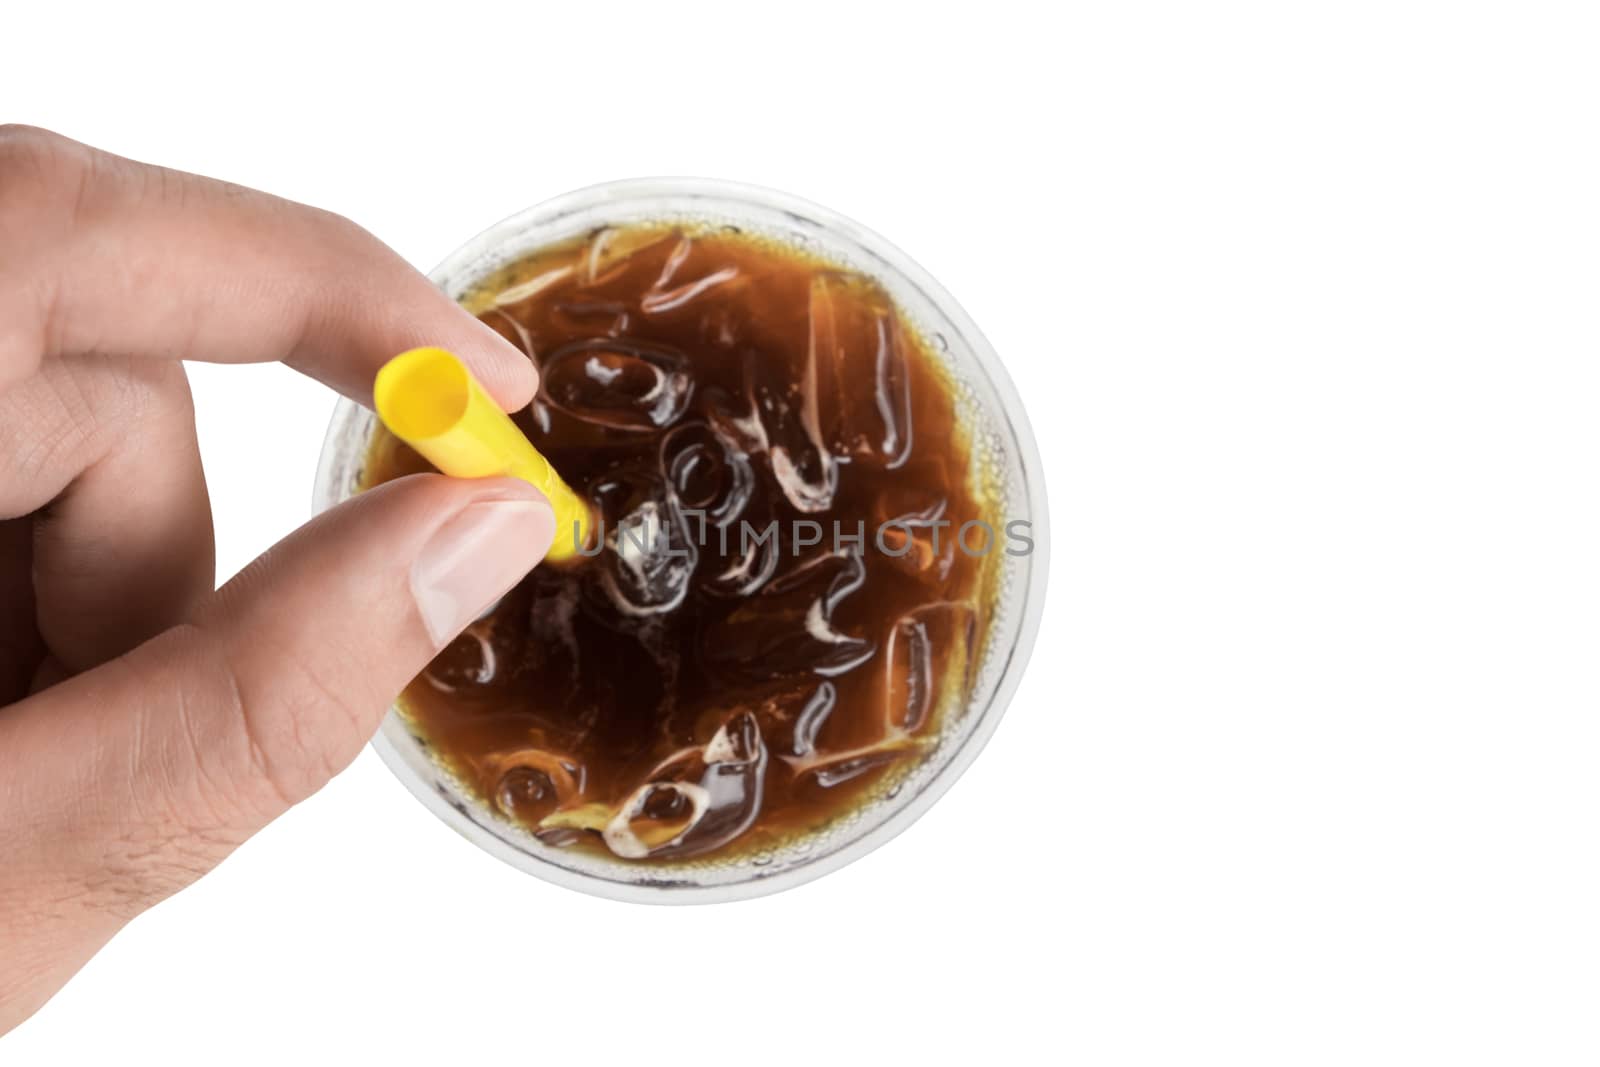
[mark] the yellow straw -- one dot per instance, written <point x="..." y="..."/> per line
<point x="429" y="400"/>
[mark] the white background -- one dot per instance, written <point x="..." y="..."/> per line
<point x="1303" y="300"/>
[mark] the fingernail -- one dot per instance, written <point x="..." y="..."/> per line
<point x="475" y="558"/>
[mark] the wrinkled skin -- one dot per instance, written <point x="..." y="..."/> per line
<point x="149" y="724"/>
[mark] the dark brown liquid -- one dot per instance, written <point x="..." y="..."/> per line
<point x="694" y="688"/>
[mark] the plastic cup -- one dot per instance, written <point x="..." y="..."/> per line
<point x="1002" y="440"/>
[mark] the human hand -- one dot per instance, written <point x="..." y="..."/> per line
<point x="149" y="724"/>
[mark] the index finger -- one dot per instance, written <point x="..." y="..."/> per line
<point x="105" y="255"/>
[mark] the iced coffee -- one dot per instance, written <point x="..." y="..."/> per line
<point x="785" y="592"/>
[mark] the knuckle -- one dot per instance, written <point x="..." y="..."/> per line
<point x="38" y="168"/>
<point x="73" y="413"/>
<point x="43" y="443"/>
<point x="208" y="779"/>
<point x="261" y="759"/>
<point x="346" y="235"/>
<point x="42" y="178"/>
<point x="297" y="729"/>
<point x="339" y="224"/>
<point x="41" y="175"/>
<point x="29" y="147"/>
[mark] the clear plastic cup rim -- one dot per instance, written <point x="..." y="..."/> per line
<point x="1004" y="421"/>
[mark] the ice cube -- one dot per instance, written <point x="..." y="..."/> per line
<point x="706" y="798"/>
<point x="610" y="317"/>
<point x="916" y="534"/>
<point x="707" y="472"/>
<point x="857" y="355"/>
<point x="787" y="627"/>
<point x="831" y="767"/>
<point x="784" y="425"/>
<point x="927" y="659"/>
<point x="531" y="783"/>
<point x="625" y="257"/>
<point x="619" y="383"/>
<point x="813" y="717"/>
<point x="791" y="712"/>
<point x="525" y="291"/>
<point x="746" y="562"/>
<point x="649" y="553"/>
<point x="684" y="278"/>
<point x="469" y="662"/>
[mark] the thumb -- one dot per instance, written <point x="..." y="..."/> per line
<point x="316" y="639"/>
<point x="142" y="774"/>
